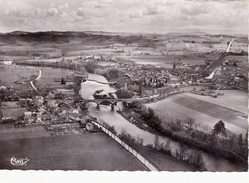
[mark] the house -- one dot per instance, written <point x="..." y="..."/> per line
<point x="38" y="56"/>
<point x="52" y="104"/>
<point x="74" y="116"/>
<point x="24" y="102"/>
<point x="28" y="114"/>
<point x="8" y="62"/>
<point x="38" y="101"/>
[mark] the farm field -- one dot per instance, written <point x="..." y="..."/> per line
<point x="232" y="99"/>
<point x="10" y="74"/>
<point x="206" y="114"/>
<point x="211" y="109"/>
<point x="90" y="151"/>
<point x="167" y="60"/>
<point x="9" y="132"/>
<point x="13" y="112"/>
<point x="48" y="76"/>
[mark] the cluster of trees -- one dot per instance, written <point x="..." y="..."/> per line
<point x="110" y="128"/>
<point x="112" y="74"/>
<point x="128" y="139"/>
<point x="219" y="142"/>
<point x="90" y="67"/>
<point x="124" y="94"/>
<point x="192" y="157"/>
<point x="58" y="64"/>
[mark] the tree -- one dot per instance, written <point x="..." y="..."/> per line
<point x="174" y="66"/>
<point x="190" y="121"/>
<point x="179" y="123"/>
<point x="246" y="139"/>
<point x="63" y="81"/>
<point x="156" y="142"/>
<point x="90" y="66"/>
<point x="219" y="129"/>
<point x="112" y="74"/>
<point x="180" y="153"/>
<point x="231" y="141"/>
<point x="124" y="93"/>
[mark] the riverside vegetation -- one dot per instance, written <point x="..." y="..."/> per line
<point x="220" y="142"/>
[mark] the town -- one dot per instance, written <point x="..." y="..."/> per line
<point x="48" y="88"/>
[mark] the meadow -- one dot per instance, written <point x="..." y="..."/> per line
<point x="10" y="74"/>
<point x="88" y="151"/>
<point x="50" y="75"/>
<point x="205" y="113"/>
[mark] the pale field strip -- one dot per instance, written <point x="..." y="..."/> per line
<point x="168" y="108"/>
<point x="173" y="110"/>
<point x="237" y="103"/>
<point x="213" y="110"/>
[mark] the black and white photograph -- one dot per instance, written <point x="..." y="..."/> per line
<point x="124" y="85"/>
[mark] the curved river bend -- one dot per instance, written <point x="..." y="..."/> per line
<point x="120" y="124"/>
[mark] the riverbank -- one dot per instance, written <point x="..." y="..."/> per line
<point x="120" y="124"/>
<point x="209" y="143"/>
<point x="164" y="162"/>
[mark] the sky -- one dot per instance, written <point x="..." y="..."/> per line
<point x="140" y="16"/>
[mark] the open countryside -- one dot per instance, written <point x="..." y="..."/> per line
<point x="151" y="91"/>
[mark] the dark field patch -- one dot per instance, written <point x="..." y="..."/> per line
<point x="93" y="151"/>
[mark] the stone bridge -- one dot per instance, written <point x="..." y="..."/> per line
<point x="113" y="102"/>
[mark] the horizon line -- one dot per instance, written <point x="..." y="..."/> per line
<point x="181" y="31"/>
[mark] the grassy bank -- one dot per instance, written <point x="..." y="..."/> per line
<point x="184" y="132"/>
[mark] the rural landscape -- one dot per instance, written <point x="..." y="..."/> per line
<point x="94" y="100"/>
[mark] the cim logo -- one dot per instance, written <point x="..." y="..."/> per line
<point x="18" y="161"/>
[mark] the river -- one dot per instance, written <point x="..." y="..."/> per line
<point x="121" y="124"/>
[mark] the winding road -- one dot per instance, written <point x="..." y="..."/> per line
<point x="31" y="82"/>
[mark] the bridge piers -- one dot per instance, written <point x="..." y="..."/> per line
<point x="97" y="107"/>
<point x="112" y="107"/>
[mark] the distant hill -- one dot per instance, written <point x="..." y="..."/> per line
<point x="69" y="36"/>
<point x="55" y="37"/>
<point x="98" y="38"/>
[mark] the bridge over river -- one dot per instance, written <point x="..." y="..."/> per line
<point x="113" y="102"/>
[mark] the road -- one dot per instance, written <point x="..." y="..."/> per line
<point x="31" y="82"/>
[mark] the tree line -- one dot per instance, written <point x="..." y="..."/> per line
<point x="219" y="141"/>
